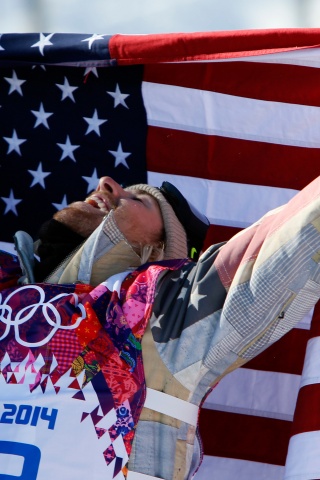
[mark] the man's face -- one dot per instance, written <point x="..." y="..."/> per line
<point x="136" y="213"/>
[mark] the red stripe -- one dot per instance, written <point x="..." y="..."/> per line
<point x="245" y="437"/>
<point x="235" y="160"/>
<point x="269" y="82"/>
<point x="218" y="234"/>
<point x="315" y="324"/>
<point x="307" y="415"/>
<point x="145" y="49"/>
<point x="232" y="160"/>
<point x="285" y="356"/>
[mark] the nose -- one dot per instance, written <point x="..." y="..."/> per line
<point x="109" y="185"/>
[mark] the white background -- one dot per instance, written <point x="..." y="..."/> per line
<point x="155" y="16"/>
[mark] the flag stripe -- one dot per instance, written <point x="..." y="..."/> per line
<point x="303" y="453"/>
<point x="251" y="438"/>
<point x="308" y="401"/>
<point x="274" y="83"/>
<point x="226" y="203"/>
<point x="265" y="394"/>
<point x="311" y="370"/>
<point x="157" y="48"/>
<point x="308" y="57"/>
<point x="230" y="116"/>
<point x="218" y="234"/>
<point x="229" y="159"/>
<point x="230" y="469"/>
<point x="303" y="457"/>
<point x="286" y="356"/>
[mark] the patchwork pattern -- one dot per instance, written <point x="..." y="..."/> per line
<point x="71" y="365"/>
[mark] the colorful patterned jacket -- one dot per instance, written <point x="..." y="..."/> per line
<point x="73" y="372"/>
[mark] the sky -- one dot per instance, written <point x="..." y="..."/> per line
<point x="155" y="16"/>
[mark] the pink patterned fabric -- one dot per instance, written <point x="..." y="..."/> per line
<point x="77" y="343"/>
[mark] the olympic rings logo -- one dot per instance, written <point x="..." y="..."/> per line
<point x="49" y="311"/>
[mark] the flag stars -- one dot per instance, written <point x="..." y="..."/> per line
<point x="15" y="83"/>
<point x="11" y="203"/>
<point x="196" y="297"/>
<point x="91" y="70"/>
<point x="14" y="143"/>
<point x="156" y="321"/>
<point x="92" y="39"/>
<point x="43" y="42"/>
<point x="63" y="204"/>
<point x="119" y="98"/>
<point x="38" y="176"/>
<point x="120" y="156"/>
<point x="67" y="90"/>
<point x="92" y="181"/>
<point x="67" y="149"/>
<point x="43" y="67"/>
<point x="41" y="116"/>
<point x="94" y="123"/>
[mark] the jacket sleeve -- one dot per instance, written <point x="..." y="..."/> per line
<point x="270" y="274"/>
<point x="214" y="316"/>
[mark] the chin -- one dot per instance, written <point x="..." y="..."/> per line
<point x="81" y="217"/>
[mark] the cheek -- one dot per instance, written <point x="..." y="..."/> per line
<point x="125" y="221"/>
<point x="136" y="224"/>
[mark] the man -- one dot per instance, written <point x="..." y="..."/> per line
<point x="76" y="339"/>
<point x="138" y="215"/>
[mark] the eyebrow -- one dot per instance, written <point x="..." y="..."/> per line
<point x="143" y="192"/>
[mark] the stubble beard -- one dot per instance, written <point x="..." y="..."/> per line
<point x="82" y="221"/>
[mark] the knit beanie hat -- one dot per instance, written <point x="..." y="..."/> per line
<point x="175" y="235"/>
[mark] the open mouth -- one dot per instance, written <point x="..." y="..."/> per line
<point x="98" y="203"/>
<point x="92" y="202"/>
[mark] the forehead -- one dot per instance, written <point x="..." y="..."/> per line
<point x="140" y="191"/>
<point x="149" y="200"/>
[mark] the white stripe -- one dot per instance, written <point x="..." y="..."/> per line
<point x="311" y="367"/>
<point x="253" y="392"/>
<point x="219" y="468"/>
<point x="226" y="203"/>
<point x="172" y="406"/>
<point x="303" y="460"/>
<point x="212" y="113"/>
<point x="306" y="57"/>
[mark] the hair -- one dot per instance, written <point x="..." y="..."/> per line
<point x="151" y="253"/>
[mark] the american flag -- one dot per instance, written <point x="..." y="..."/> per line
<point x="63" y="127"/>
<point x="233" y="120"/>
